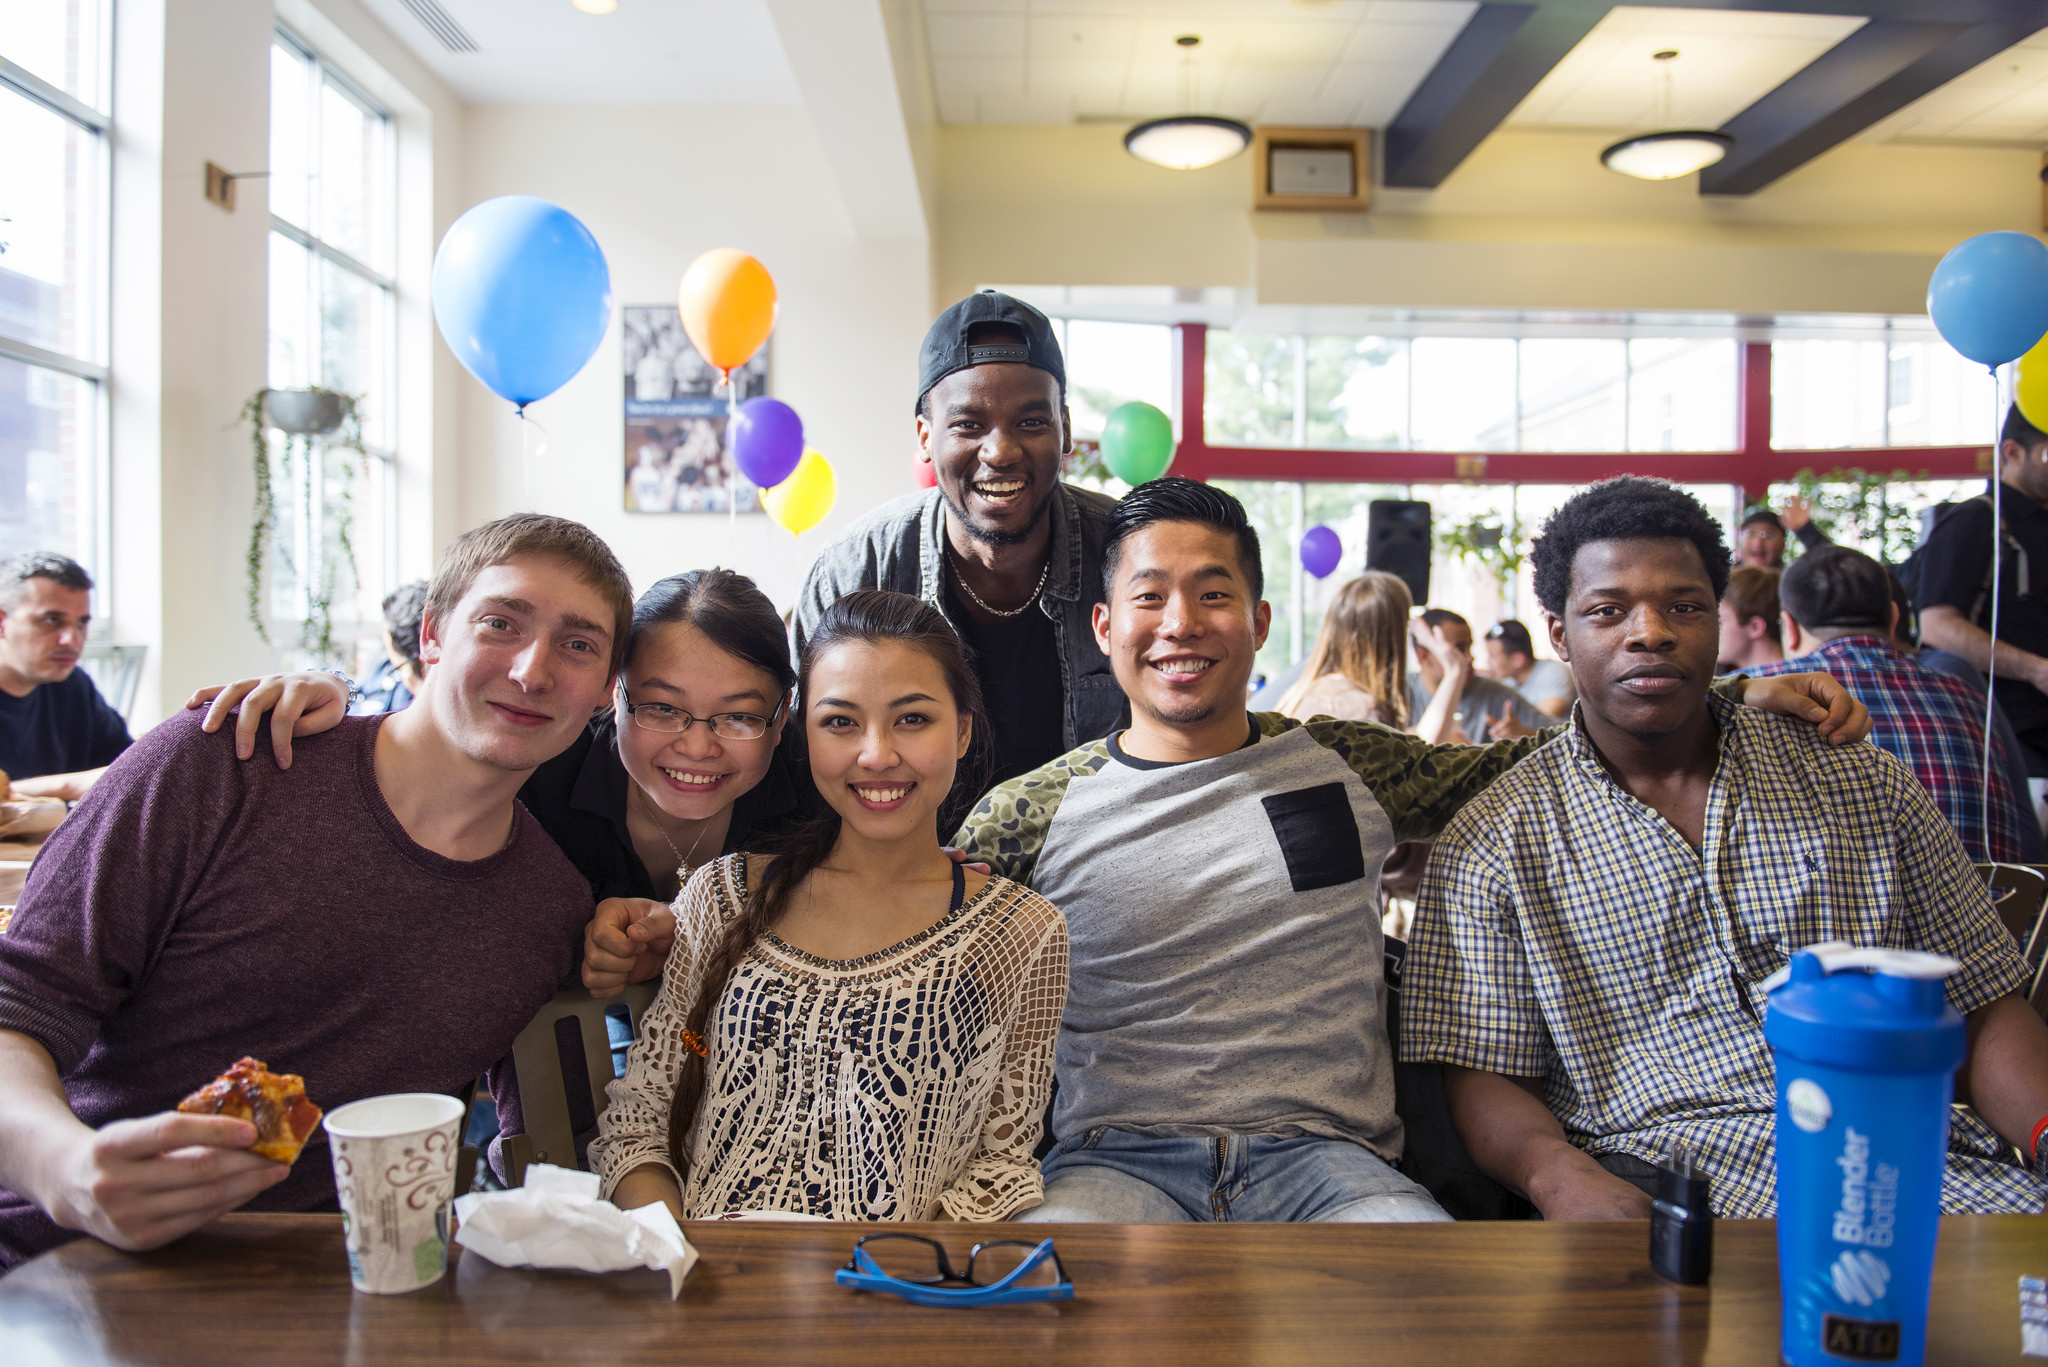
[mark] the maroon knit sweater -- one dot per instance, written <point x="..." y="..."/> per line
<point x="194" y="909"/>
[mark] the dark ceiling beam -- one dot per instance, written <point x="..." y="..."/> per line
<point x="1908" y="48"/>
<point x="1868" y="76"/>
<point x="1490" y="67"/>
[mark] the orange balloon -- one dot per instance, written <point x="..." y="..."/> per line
<point x="728" y="305"/>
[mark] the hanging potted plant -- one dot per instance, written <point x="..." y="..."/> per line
<point x="303" y="417"/>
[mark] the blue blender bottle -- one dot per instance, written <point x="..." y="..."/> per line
<point x="1867" y="1047"/>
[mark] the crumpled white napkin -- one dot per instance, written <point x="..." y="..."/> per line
<point x="558" y="1220"/>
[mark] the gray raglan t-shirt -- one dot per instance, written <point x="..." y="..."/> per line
<point x="1223" y="922"/>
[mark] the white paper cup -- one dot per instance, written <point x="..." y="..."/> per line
<point x="394" y="1168"/>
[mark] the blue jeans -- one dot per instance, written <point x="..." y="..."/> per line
<point x="1119" y="1177"/>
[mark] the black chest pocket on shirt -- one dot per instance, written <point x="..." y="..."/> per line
<point x="1318" y="836"/>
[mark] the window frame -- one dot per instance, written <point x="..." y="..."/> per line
<point x="380" y="443"/>
<point x="93" y="368"/>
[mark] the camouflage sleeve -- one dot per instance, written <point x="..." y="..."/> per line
<point x="1421" y="786"/>
<point x="1006" y="830"/>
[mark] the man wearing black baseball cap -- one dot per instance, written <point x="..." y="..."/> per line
<point x="1010" y="554"/>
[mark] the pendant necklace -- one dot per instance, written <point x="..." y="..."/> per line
<point x="682" y="860"/>
<point x="1018" y="611"/>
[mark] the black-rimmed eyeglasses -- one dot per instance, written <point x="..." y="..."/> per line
<point x="659" y="716"/>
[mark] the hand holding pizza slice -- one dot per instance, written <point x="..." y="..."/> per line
<point x="274" y="1103"/>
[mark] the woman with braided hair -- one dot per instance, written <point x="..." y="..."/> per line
<point x="856" y="1027"/>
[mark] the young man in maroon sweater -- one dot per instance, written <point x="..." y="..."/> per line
<point x="383" y="917"/>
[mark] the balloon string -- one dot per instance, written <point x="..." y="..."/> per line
<point x="527" y="453"/>
<point x="1991" y="664"/>
<point x="732" y="474"/>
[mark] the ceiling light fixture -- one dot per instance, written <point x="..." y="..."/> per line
<point x="595" y="6"/>
<point x="1187" y="142"/>
<point x="1672" y="153"/>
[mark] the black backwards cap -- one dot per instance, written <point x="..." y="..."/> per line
<point x="946" y="348"/>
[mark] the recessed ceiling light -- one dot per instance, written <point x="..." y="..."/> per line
<point x="1667" y="156"/>
<point x="1187" y="142"/>
<point x="595" y="6"/>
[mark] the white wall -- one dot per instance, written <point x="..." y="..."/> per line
<point x="657" y="185"/>
<point x="189" y="327"/>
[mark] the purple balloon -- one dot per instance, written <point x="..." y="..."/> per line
<point x="767" y="441"/>
<point x="1321" y="550"/>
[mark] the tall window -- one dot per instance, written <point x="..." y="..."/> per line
<point x="332" y="325"/>
<point x="53" y="277"/>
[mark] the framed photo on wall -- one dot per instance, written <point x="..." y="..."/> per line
<point x="676" y="457"/>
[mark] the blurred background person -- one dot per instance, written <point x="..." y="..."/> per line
<point x="57" y="734"/>
<point x="1750" y="631"/>
<point x="1489" y="710"/>
<point x="1356" y="670"/>
<point x="395" y="681"/>
<point x="1762" y="542"/>
<point x="1509" y="655"/>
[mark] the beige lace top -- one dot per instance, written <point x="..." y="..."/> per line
<point x="907" y="1085"/>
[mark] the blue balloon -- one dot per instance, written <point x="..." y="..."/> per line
<point x="767" y="441"/>
<point x="1321" y="551"/>
<point x="1989" y="297"/>
<point x="522" y="295"/>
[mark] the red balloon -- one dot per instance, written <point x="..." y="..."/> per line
<point x="926" y="473"/>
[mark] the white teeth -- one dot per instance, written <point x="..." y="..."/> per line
<point x="1000" y="490"/>
<point x="1182" y="666"/>
<point x="693" y="780"/>
<point x="883" y="794"/>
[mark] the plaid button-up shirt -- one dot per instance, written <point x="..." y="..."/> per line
<point x="1935" y="723"/>
<point x="1567" y="932"/>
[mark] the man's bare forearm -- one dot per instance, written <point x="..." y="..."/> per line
<point x="1514" y="1138"/>
<point x="1945" y="628"/>
<point x="2005" y="1079"/>
<point x="70" y="787"/>
<point x="35" y="1118"/>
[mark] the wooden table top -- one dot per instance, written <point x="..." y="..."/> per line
<point x="274" y="1288"/>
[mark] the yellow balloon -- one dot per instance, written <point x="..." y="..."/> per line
<point x="802" y="501"/>
<point x="2030" y="384"/>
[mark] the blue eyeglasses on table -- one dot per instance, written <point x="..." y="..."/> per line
<point x="918" y="1270"/>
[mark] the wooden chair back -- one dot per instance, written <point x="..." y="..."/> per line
<point x="564" y="1060"/>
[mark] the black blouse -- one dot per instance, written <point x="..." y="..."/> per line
<point x="579" y="798"/>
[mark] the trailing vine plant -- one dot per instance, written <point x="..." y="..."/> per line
<point x="345" y="443"/>
<point x="1855" y="506"/>
<point x="1497" y="548"/>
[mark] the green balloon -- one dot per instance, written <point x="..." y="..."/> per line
<point x="1137" y="442"/>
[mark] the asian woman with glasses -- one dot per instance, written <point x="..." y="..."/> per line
<point x="856" y="1027"/>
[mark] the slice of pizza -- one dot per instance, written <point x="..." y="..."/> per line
<point x="274" y="1103"/>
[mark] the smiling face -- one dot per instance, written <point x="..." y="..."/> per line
<point x="521" y="662"/>
<point x="42" y="632"/>
<point x="1639" y="631"/>
<point x="693" y="775"/>
<point x="885" y="737"/>
<point x="995" y="435"/>
<point x="1180" y="624"/>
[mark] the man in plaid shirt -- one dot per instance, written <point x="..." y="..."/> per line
<point x="1838" y="616"/>
<point x="1595" y="928"/>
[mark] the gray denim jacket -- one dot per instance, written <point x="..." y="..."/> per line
<point x="900" y="547"/>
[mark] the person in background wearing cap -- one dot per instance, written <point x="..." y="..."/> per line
<point x="1762" y="542"/>
<point x="1510" y="658"/>
<point x="1010" y="554"/>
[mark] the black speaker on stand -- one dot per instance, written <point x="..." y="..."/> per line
<point x="1397" y="541"/>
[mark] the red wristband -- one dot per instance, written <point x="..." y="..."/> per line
<point x="2034" y="1144"/>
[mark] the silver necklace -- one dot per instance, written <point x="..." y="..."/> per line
<point x="1018" y="611"/>
<point x="682" y="860"/>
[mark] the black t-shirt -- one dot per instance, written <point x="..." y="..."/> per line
<point x="59" y="728"/>
<point x="1018" y="663"/>
<point x="1953" y="569"/>
<point x="579" y="797"/>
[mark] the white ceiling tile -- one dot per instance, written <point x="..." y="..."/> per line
<point x="1093" y="85"/>
<point x="1254" y="83"/>
<point x="976" y="6"/>
<point x="1451" y="12"/>
<point x="1373" y="85"/>
<point x="975" y="35"/>
<point x="1420" y="44"/>
<point x="959" y="109"/>
<point x="1073" y="37"/>
<point x="1027" y="109"/>
<point x="1316" y="42"/>
<point x="970" y="76"/>
<point x="1220" y="39"/>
